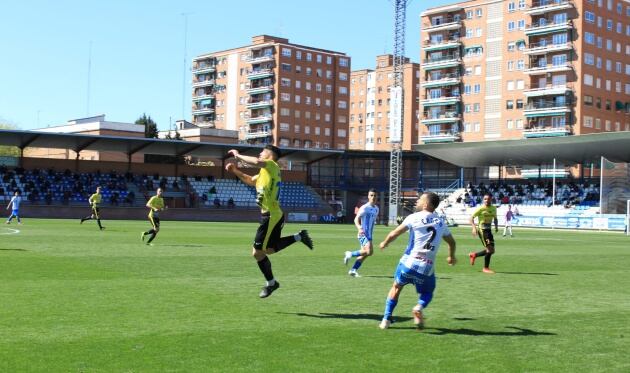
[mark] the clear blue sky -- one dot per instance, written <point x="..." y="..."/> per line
<point x="137" y="63"/>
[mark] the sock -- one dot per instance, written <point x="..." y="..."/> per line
<point x="357" y="264"/>
<point x="297" y="237"/>
<point x="265" y="268"/>
<point x="86" y="218"/>
<point x="153" y="234"/>
<point x="390" y="304"/>
<point x="487" y="261"/>
<point x="99" y="223"/>
<point x="286" y="241"/>
<point x="480" y="253"/>
<point x="356" y="253"/>
<point x="149" y="232"/>
<point x="271" y="282"/>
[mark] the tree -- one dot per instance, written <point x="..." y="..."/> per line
<point x="150" y="127"/>
<point x="9" y="151"/>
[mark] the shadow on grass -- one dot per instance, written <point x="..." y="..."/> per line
<point x="377" y="276"/>
<point x="529" y="273"/>
<point x="13" y="250"/>
<point x="184" y="246"/>
<point x="348" y="316"/>
<point x="517" y="332"/>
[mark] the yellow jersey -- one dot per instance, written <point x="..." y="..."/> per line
<point x="486" y="215"/>
<point x="156" y="203"/>
<point x="95" y="199"/>
<point x="268" y="183"/>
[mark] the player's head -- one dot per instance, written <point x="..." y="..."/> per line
<point x="270" y="152"/>
<point x="509" y="207"/>
<point x="159" y="192"/>
<point x="428" y="201"/>
<point x="98" y="189"/>
<point x="487" y="200"/>
<point x="372" y="196"/>
<point x="17" y="193"/>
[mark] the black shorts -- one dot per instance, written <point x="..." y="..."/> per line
<point x="155" y="222"/>
<point x="268" y="233"/>
<point x="96" y="212"/>
<point x="486" y="237"/>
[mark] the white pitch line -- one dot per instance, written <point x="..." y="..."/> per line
<point x="12" y="231"/>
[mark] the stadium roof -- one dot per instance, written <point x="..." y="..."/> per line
<point x="140" y="145"/>
<point x="614" y="146"/>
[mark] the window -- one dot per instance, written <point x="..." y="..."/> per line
<point x="510" y="85"/>
<point x="509" y="104"/>
<point x="309" y="57"/>
<point x="319" y="58"/>
<point x="298" y="55"/>
<point x="342" y="90"/>
<point x="327" y="131"/>
<point x="328" y="60"/>
<point x="342" y="104"/>
<point x="479" y="12"/>
<point x="284" y="127"/>
<point x="511" y="6"/>
<point x="284" y="82"/>
<point x="343" y="76"/>
<point x="589" y="59"/>
<point x="467" y="89"/>
<point x="521" y="24"/>
<point x="510" y="124"/>
<point x="478" y="32"/>
<point x="520" y="84"/>
<point x="589" y="38"/>
<point x="519" y="104"/>
<point x="588" y="100"/>
<point x="343" y="62"/>
<point x="588" y="122"/>
<point x="476" y="107"/>
<point x="521" y="4"/>
<point x="511" y="46"/>
<point x="478" y="70"/>
<point x="467" y="108"/>
<point x="469" y="33"/>
<point x="286" y="52"/>
<point x="520" y="65"/>
<point x="510" y="65"/>
<point x="609" y="24"/>
<point x="477" y="88"/>
<point x="588" y="79"/>
<point x="286" y="67"/>
<point x="589" y="17"/>
<point x="285" y="97"/>
<point x="469" y="14"/>
<point x="341" y="133"/>
<point x="609" y="44"/>
<point x="511" y="26"/>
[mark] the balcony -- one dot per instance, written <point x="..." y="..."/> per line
<point x="441" y="118"/>
<point x="546" y="109"/>
<point x="264" y="118"/>
<point x="260" y="104"/>
<point x="546" y="46"/>
<point x="546" y="6"/>
<point x="431" y="46"/>
<point x="441" y="137"/>
<point x="259" y="74"/>
<point x="203" y="83"/>
<point x="204" y="68"/>
<point x="259" y="90"/>
<point x="443" y="80"/>
<point x="205" y="124"/>
<point x="203" y="97"/>
<point x="445" y="24"/>
<point x="203" y="110"/>
<point x="259" y="59"/>
<point x="538" y="70"/>
<point x="451" y="60"/>
<point x="440" y="101"/>
<point x="257" y="134"/>
<point x="547" y="26"/>
<point x="547" y="90"/>
<point x="443" y="9"/>
<point x="536" y="132"/>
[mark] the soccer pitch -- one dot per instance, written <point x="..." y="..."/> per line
<point x="74" y="299"/>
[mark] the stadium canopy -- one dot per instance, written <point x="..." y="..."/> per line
<point x="583" y="149"/>
<point x="141" y="145"/>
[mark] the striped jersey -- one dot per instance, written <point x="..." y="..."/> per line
<point x="367" y="215"/>
<point x="426" y="230"/>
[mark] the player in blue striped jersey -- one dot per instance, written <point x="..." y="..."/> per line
<point x="364" y="221"/>
<point x="426" y="231"/>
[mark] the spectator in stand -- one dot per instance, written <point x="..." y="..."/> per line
<point x="217" y="202"/>
<point x="231" y="203"/>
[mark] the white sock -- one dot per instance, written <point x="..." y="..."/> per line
<point x="272" y="282"/>
<point x="297" y="237"/>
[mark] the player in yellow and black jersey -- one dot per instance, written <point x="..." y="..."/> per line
<point x="267" y="183"/>
<point x="486" y="215"/>
<point x="95" y="201"/>
<point x="155" y="205"/>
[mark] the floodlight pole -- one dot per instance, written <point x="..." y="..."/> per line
<point x="396" y="112"/>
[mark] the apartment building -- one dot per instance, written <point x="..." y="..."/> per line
<point x="274" y="92"/>
<point x="524" y="69"/>
<point x="370" y="105"/>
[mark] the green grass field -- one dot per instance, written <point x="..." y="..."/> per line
<point x="74" y="299"/>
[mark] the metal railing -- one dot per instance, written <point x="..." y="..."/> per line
<point x="431" y="43"/>
<point x="441" y="22"/>
<point x="547" y="105"/>
<point x="544" y="22"/>
<point x="443" y="77"/>
<point x="447" y="57"/>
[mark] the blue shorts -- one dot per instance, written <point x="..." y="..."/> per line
<point x="15" y="212"/>
<point x="404" y="276"/>
<point x="363" y="240"/>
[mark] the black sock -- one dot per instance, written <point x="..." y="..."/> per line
<point x="149" y="232"/>
<point x="285" y="241"/>
<point x="487" y="260"/>
<point x="99" y="223"/>
<point x="86" y="218"/>
<point x="480" y="253"/>
<point x="265" y="268"/>
<point x="153" y="234"/>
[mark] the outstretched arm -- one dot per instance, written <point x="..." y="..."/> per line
<point x="393" y="235"/>
<point x="451" y="260"/>
<point x="245" y="178"/>
<point x="252" y="161"/>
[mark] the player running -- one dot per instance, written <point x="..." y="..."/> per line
<point x="486" y="214"/>
<point x="426" y="230"/>
<point x="95" y="200"/>
<point x="14" y="203"/>
<point x="155" y="205"/>
<point x="267" y="183"/>
<point x="364" y="221"/>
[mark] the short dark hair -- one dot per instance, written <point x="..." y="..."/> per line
<point x="275" y="150"/>
<point x="433" y="199"/>
<point x="372" y="190"/>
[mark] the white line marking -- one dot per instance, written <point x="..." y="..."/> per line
<point x="12" y="231"/>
